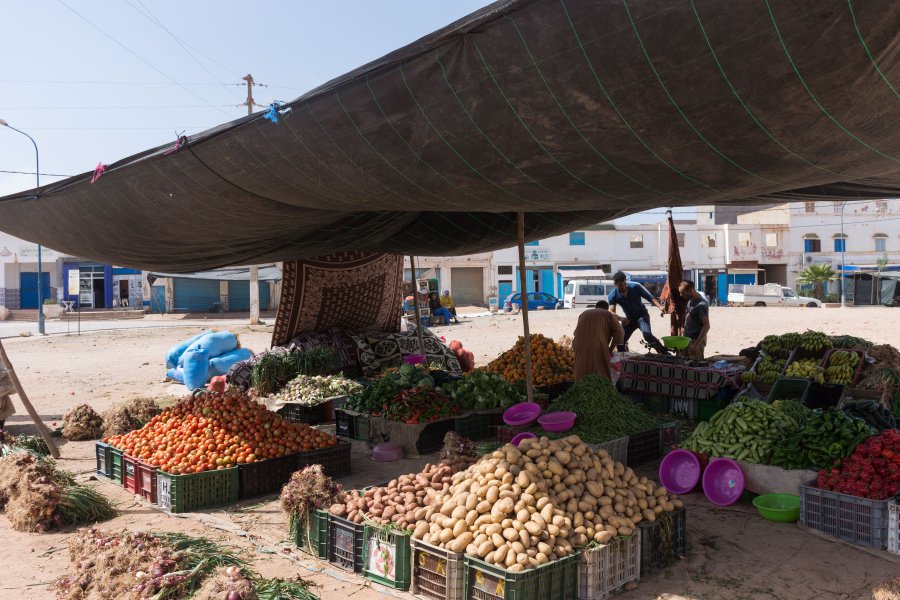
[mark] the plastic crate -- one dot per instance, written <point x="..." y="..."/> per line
<point x="656" y="403"/>
<point x="476" y="426"/>
<point x="266" y="476"/>
<point x="859" y="521"/>
<point x="147" y="481"/>
<point x="604" y="570"/>
<point x="196" y="491"/>
<point x="663" y="541"/>
<point x="312" y="537"/>
<point x="386" y="557"/>
<point x="707" y="407"/>
<point x="431" y="438"/>
<point x="555" y="390"/>
<point x="344" y="424"/>
<point x="644" y="447"/>
<point x="824" y="396"/>
<point x="617" y="449"/>
<point x="857" y="374"/>
<point x="668" y="437"/>
<point x="129" y="474"/>
<point x="104" y="459"/>
<point x="335" y="460"/>
<point x="437" y="573"/>
<point x="345" y="544"/>
<point x="505" y="433"/>
<point x="118" y="465"/>
<point x="300" y="413"/>
<point x="789" y="388"/>
<point x="893" y="541"/>
<point x="361" y="428"/>
<point x="684" y="406"/>
<point x="557" y="580"/>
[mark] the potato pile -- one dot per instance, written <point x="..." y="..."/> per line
<point x="401" y="501"/>
<point x="519" y="508"/>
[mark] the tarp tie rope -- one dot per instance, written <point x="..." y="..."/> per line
<point x="180" y="142"/>
<point x="276" y="110"/>
<point x="98" y="172"/>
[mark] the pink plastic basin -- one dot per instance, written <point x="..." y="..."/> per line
<point x="723" y="481"/>
<point x="519" y="415"/>
<point x="414" y="359"/>
<point x="680" y="471"/>
<point x="387" y="453"/>
<point x="558" y="421"/>
<point x="520" y="437"/>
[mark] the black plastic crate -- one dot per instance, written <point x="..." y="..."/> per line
<point x="668" y="437"/>
<point x="476" y="426"/>
<point x="299" y="413"/>
<point x="644" y="447"/>
<point x="431" y="439"/>
<point x="555" y="390"/>
<point x="664" y="541"/>
<point x="335" y="460"/>
<point x="266" y="476"/>
<point x="823" y="396"/>
<point x="345" y="543"/>
<point x="344" y="424"/>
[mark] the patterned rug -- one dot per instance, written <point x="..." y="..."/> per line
<point x="351" y="291"/>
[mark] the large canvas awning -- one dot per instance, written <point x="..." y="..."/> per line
<point x="574" y="111"/>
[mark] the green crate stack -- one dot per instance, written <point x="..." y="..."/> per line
<point x="557" y="580"/>
<point x="312" y="537"/>
<point x="115" y="456"/>
<point x="386" y="557"/>
<point x="196" y="491"/>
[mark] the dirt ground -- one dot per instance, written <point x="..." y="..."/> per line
<point x="732" y="553"/>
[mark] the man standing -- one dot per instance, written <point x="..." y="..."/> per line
<point x="597" y="332"/>
<point x="696" y="323"/>
<point x="629" y="296"/>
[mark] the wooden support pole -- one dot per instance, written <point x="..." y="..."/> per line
<point x="523" y="293"/>
<point x="420" y="335"/>
<point x="42" y="429"/>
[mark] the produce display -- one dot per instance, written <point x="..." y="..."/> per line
<point x="308" y="490"/>
<point x="872" y="471"/>
<point x="872" y="412"/>
<point x="603" y="413"/>
<point x="745" y="430"/>
<point x="418" y="405"/>
<point x="850" y="341"/>
<point x="551" y="363"/>
<point x="401" y="503"/>
<point x="273" y="371"/>
<point x="481" y="390"/>
<point x="82" y="423"/>
<point x="381" y="391"/>
<point x="812" y="341"/>
<point x="767" y="371"/>
<point x="311" y="390"/>
<point x="209" y="431"/>
<point x="806" y="368"/>
<point x="822" y="438"/>
<point x="519" y="508"/>
<point x="841" y="367"/>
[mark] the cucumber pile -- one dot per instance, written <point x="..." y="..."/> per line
<point x="745" y="430"/>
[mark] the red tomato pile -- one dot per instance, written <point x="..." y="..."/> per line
<point x="212" y="431"/>
<point x="872" y="471"/>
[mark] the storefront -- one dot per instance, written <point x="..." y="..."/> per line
<point x="95" y="284"/>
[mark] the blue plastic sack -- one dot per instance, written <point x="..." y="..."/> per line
<point x="196" y="367"/>
<point x="216" y="343"/>
<point x="173" y="356"/>
<point x="220" y="364"/>
<point x="176" y="374"/>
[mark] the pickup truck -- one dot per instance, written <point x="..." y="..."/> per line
<point x="770" y="294"/>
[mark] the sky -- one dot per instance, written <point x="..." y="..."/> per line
<point x="95" y="81"/>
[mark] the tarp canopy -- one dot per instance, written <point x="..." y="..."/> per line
<point x="238" y="274"/>
<point x="575" y="111"/>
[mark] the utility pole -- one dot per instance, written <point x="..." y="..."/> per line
<point x="254" y="270"/>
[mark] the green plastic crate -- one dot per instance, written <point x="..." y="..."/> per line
<point x="313" y="538"/>
<point x="196" y="491"/>
<point x="557" y="580"/>
<point x="476" y="426"/>
<point x="115" y="456"/>
<point x="386" y="557"/>
<point x="361" y="427"/>
<point x="707" y="407"/>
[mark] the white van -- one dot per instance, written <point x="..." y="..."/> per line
<point x="584" y="293"/>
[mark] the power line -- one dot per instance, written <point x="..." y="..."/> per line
<point x="148" y="107"/>
<point x="33" y="173"/>
<point x="194" y="83"/>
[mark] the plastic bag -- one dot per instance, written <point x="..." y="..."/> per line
<point x="196" y="367"/>
<point x="216" y="343"/>
<point x="173" y="356"/>
<point x="220" y="364"/>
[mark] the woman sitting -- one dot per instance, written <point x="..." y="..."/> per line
<point x="434" y="303"/>
<point x="447" y="302"/>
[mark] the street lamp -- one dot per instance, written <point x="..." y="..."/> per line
<point x="37" y="175"/>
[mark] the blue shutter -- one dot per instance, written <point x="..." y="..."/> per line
<point x="576" y="238"/>
<point x="195" y="295"/>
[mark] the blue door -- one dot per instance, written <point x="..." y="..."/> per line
<point x="722" y="288"/>
<point x="158" y="299"/>
<point x="28" y="289"/>
<point x="196" y="295"/>
<point x="547" y="281"/>
<point x="504" y="289"/>
<point x="239" y="295"/>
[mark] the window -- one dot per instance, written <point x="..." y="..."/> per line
<point x="576" y="238"/>
<point x="745" y="238"/>
<point x="637" y="241"/>
<point x="840" y="243"/>
<point x="837" y="206"/>
<point x="709" y="241"/>
<point x="570" y="288"/>
<point x="789" y="293"/>
<point x="809" y="207"/>
<point x="880" y="242"/>
<point x="812" y="245"/>
<point x="680" y="240"/>
<point x="771" y="240"/>
<point x="533" y="243"/>
<point x="504" y="270"/>
<point x="592" y="290"/>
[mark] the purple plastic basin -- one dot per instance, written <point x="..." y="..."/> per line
<point x="519" y="415"/>
<point x="723" y="481"/>
<point x="558" y="421"/>
<point x="679" y="471"/>
<point x="387" y="453"/>
<point x="520" y="437"/>
<point x="414" y="359"/>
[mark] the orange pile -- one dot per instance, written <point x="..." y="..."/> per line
<point x="212" y="430"/>
<point x="551" y="362"/>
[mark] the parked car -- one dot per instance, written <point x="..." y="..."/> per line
<point x="770" y="294"/>
<point x="536" y="300"/>
<point x="584" y="293"/>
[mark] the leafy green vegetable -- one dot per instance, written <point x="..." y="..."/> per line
<point x="275" y="369"/>
<point x="480" y="390"/>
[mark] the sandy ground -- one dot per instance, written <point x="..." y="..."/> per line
<point x="732" y="553"/>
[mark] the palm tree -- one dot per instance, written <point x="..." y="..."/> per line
<point x="816" y="276"/>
